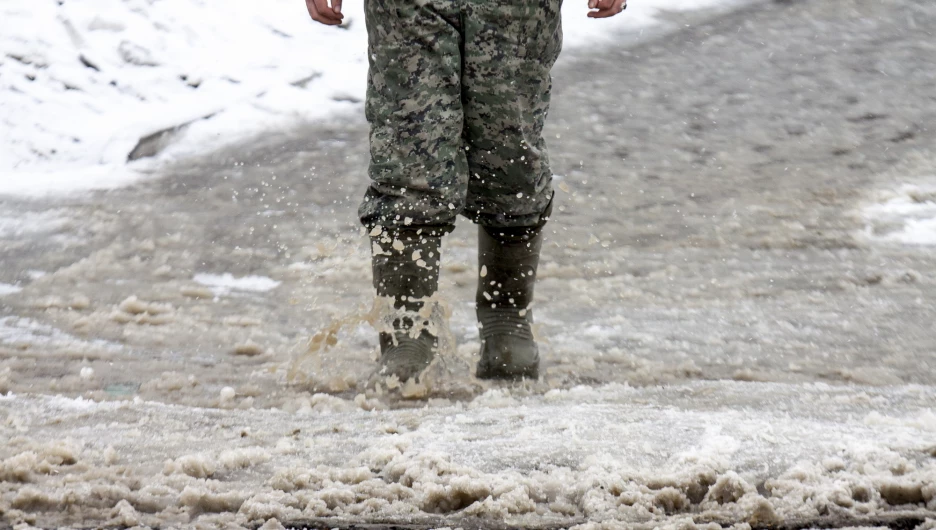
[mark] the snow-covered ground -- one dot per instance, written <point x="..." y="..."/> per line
<point x="82" y="82"/>
<point x="731" y="333"/>
<point x="605" y="457"/>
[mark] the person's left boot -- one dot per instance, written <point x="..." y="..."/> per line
<point x="406" y="269"/>
<point x="507" y="262"/>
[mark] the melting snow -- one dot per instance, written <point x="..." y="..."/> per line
<point x="6" y="289"/>
<point x="667" y="457"/>
<point x="29" y="223"/>
<point x="19" y="331"/>
<point x="225" y="283"/>
<point x="906" y="215"/>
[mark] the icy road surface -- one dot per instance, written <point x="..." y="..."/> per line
<point x="736" y="305"/>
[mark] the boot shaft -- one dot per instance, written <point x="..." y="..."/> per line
<point x="508" y="259"/>
<point x="507" y="262"/>
<point x="406" y="265"/>
<point x="406" y="269"/>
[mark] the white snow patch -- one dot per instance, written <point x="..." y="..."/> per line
<point x="14" y="329"/>
<point x="29" y="223"/>
<point x="78" y="403"/>
<point x="906" y="215"/>
<point x="225" y="283"/>
<point x="41" y="181"/>
<point x="83" y="82"/>
<point x="6" y="289"/>
<point x="21" y="332"/>
<point x="925" y="420"/>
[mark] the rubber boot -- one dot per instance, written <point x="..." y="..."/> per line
<point x="507" y="262"/>
<point x="406" y="268"/>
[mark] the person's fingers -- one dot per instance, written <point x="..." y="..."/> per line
<point x="325" y="17"/>
<point x="336" y="6"/>
<point x="616" y="7"/>
<point x="602" y="5"/>
<point x="313" y="12"/>
<point x="326" y="11"/>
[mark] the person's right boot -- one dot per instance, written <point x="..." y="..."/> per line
<point x="406" y="269"/>
<point x="507" y="263"/>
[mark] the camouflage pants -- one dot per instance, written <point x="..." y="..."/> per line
<point x="458" y="91"/>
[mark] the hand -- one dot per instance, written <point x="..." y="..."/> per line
<point x="606" y="8"/>
<point x="320" y="12"/>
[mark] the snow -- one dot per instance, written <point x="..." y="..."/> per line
<point x="6" y="289"/>
<point x="52" y="178"/>
<point x="31" y="223"/>
<point x="612" y="455"/>
<point x="83" y="82"/>
<point x="904" y="215"/>
<point x="156" y="65"/>
<point x="27" y="333"/>
<point x="225" y="283"/>
<point x="202" y="428"/>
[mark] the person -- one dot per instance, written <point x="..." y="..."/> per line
<point x="457" y="94"/>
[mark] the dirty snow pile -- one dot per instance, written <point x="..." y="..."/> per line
<point x="83" y="82"/>
<point x="690" y="456"/>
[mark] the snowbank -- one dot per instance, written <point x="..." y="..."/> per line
<point x="83" y="82"/>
